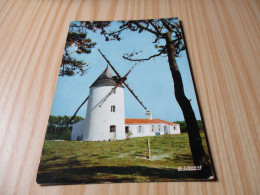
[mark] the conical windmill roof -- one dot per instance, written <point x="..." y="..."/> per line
<point x="107" y="78"/>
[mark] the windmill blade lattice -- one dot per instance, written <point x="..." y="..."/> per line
<point x="118" y="84"/>
<point x="123" y="80"/>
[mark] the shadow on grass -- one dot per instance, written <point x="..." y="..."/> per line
<point x="115" y="174"/>
<point x="184" y="158"/>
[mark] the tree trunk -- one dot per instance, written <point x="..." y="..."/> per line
<point x="197" y="150"/>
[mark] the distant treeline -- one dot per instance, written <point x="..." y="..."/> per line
<point x="184" y="125"/>
<point x="56" y="123"/>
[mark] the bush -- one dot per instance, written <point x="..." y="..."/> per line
<point x="183" y="125"/>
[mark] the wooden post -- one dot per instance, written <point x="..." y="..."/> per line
<point x="149" y="150"/>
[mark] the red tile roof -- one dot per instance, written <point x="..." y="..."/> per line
<point x="146" y="121"/>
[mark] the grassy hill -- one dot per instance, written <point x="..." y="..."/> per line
<point x="67" y="162"/>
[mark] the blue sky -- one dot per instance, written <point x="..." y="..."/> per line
<point x="151" y="80"/>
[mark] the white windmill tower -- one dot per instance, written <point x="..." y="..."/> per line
<point x="105" y="117"/>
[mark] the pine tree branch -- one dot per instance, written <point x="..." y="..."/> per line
<point x="165" y="24"/>
<point x="146" y="28"/>
<point x="156" y="28"/>
<point x="145" y="59"/>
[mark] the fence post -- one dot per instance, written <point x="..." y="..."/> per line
<point x="149" y="150"/>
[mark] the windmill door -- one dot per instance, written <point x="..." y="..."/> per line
<point x="112" y="132"/>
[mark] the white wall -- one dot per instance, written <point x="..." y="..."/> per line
<point x="99" y="119"/>
<point x="175" y="129"/>
<point x="77" y="130"/>
<point x="146" y="129"/>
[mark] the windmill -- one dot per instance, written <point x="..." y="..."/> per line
<point x="117" y="83"/>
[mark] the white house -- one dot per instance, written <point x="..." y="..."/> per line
<point x="105" y="117"/>
<point x="150" y="127"/>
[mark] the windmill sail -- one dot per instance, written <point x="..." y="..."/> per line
<point x="132" y="92"/>
<point x="120" y="78"/>
<point x="118" y="84"/>
<point x="71" y="118"/>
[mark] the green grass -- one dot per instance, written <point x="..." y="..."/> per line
<point x="116" y="161"/>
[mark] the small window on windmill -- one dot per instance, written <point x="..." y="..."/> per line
<point x="113" y="108"/>
<point x="112" y="128"/>
<point x="159" y="127"/>
<point x="174" y="128"/>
